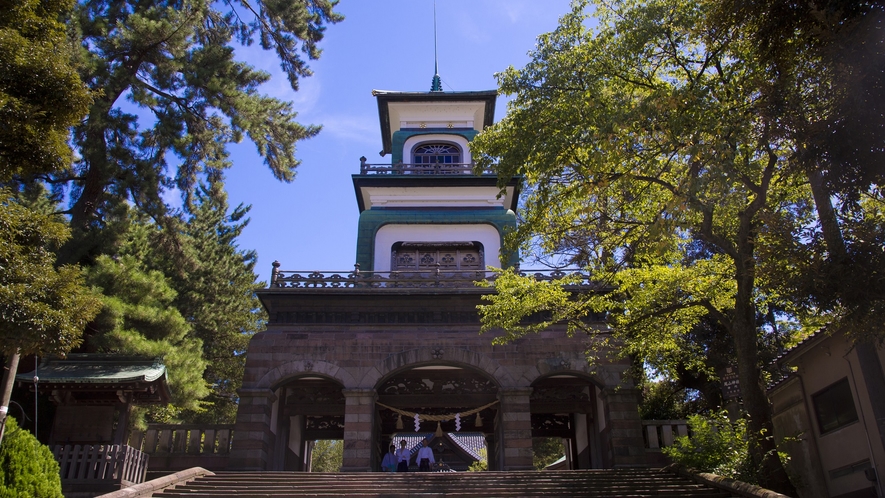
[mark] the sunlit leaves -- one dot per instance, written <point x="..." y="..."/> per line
<point x="648" y="163"/>
<point x="41" y="95"/>
<point x="518" y="298"/>
<point x="137" y="318"/>
<point x="173" y="97"/>
<point x="43" y="309"/>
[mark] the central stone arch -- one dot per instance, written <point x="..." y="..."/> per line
<point x="438" y="388"/>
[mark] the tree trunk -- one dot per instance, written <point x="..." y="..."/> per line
<point x="763" y="449"/>
<point x="766" y="464"/>
<point x="6" y="390"/>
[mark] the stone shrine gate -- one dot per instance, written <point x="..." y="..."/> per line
<point x="401" y="330"/>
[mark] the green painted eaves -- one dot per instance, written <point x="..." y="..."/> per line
<point x="97" y="369"/>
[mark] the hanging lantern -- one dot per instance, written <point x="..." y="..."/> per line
<point x="399" y="422"/>
<point x="439" y="432"/>
<point x="478" y="422"/>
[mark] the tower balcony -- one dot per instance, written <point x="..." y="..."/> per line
<point x="434" y="169"/>
<point x="438" y="278"/>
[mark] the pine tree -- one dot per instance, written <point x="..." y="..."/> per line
<point x="138" y="317"/>
<point x="215" y="287"/>
<point x="217" y="295"/>
<point x="176" y="62"/>
<point x="41" y="94"/>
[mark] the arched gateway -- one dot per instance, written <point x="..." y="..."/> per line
<point x="346" y="354"/>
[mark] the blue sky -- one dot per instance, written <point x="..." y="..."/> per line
<point x="310" y="224"/>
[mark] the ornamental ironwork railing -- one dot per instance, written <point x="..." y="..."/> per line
<point x="444" y="169"/>
<point x="437" y="278"/>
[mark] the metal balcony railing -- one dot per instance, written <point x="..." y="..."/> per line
<point x="438" y="278"/>
<point x="444" y="169"/>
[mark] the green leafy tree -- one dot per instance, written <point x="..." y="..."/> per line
<point x="666" y="400"/>
<point x="138" y="318"/>
<point x="44" y="309"/>
<point x="176" y="64"/>
<point x="546" y="450"/>
<point x="823" y="87"/>
<point x="716" y="445"/>
<point x="482" y="464"/>
<point x="327" y="455"/>
<point x="215" y="287"/>
<point x="27" y="467"/>
<point x="647" y="163"/>
<point x="41" y="94"/>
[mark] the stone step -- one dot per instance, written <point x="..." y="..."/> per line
<point x="625" y="483"/>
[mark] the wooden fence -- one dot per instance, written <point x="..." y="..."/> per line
<point x="660" y="433"/>
<point x="100" y="464"/>
<point x="174" y="447"/>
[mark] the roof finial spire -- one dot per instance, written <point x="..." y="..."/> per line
<point x="436" y="85"/>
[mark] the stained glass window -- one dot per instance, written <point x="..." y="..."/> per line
<point x="437" y="154"/>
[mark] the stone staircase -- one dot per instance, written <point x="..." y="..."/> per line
<point x="587" y="483"/>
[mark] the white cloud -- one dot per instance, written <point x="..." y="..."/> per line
<point x="350" y="128"/>
<point x="309" y="88"/>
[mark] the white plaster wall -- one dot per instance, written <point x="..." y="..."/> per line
<point x="820" y="368"/>
<point x="433" y="114"/>
<point x="388" y="235"/>
<point x="434" y="197"/>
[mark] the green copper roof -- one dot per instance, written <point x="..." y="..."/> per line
<point x="97" y="369"/>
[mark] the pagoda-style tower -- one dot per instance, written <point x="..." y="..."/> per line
<point x="356" y="355"/>
<point x="427" y="207"/>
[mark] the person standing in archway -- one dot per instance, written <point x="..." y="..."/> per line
<point x="402" y="457"/>
<point x="425" y="457"/>
<point x="390" y="460"/>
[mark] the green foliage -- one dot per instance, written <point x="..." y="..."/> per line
<point x="667" y="400"/>
<point x="518" y="297"/>
<point x="482" y="464"/>
<point x="41" y="95"/>
<point x="327" y="456"/>
<point x="215" y="287"/>
<point x="27" y="467"/>
<point x="648" y="162"/>
<point x="716" y="445"/>
<point x="43" y="308"/>
<point x="137" y="317"/>
<point x="546" y="450"/>
<point x="218" y="296"/>
<point x="821" y="87"/>
<point x="176" y="64"/>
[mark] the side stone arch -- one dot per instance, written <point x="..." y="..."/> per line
<point x="609" y="376"/>
<point x="276" y="376"/>
<point x="591" y="407"/>
<point x="434" y="354"/>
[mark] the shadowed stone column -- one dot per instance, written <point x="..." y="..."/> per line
<point x="516" y="420"/>
<point x="625" y="435"/>
<point x="253" y="440"/>
<point x="359" y="409"/>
